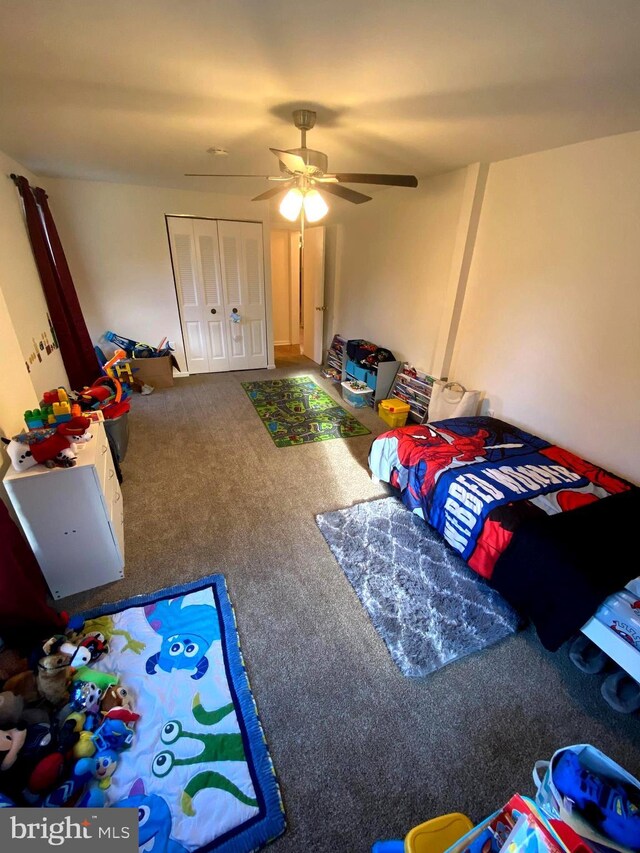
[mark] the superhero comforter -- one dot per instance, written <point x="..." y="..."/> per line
<point x="479" y="481"/>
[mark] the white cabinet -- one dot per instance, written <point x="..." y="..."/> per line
<point x="73" y="518"/>
<point x="218" y="266"/>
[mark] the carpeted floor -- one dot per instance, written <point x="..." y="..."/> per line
<point x="361" y="752"/>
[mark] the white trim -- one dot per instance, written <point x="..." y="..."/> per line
<point x="282" y="343"/>
<point x="180" y="374"/>
<point x="271" y="367"/>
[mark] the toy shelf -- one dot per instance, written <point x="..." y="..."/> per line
<point x="414" y="390"/>
<point x="380" y="380"/>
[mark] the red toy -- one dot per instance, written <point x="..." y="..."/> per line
<point x="49" y="446"/>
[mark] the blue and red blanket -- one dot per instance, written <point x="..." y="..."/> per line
<point x="476" y="479"/>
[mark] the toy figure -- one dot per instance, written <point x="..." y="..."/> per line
<point x="50" y="447"/>
<point x="115" y="697"/>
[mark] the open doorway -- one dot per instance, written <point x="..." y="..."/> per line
<point x="297" y="281"/>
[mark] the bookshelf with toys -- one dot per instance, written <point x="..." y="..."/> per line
<point x="414" y="387"/>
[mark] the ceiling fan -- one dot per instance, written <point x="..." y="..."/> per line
<point x="304" y="171"/>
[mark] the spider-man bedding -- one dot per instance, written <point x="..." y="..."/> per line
<point x="480" y="480"/>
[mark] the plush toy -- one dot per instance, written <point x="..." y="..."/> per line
<point x="11" y="742"/>
<point x="50" y="768"/>
<point x="115" y="697"/>
<point x="102" y="680"/>
<point x="85" y="696"/>
<point x="79" y="655"/>
<point x="11" y="663"/>
<point x="49" y="683"/>
<point x="100" y="766"/>
<point x="50" y="446"/>
<point x="114" y="735"/>
<point x="11" y="708"/>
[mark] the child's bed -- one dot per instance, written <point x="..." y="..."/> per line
<point x="500" y="497"/>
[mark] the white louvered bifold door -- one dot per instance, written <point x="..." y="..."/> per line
<point x="190" y="293"/>
<point x="205" y="232"/>
<point x="242" y="265"/>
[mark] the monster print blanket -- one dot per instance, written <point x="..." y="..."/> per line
<point x="199" y="771"/>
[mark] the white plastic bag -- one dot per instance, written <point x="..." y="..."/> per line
<point x="452" y="400"/>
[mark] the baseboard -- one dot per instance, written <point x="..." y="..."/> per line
<point x="180" y="375"/>
<point x="282" y="343"/>
<point x="271" y="367"/>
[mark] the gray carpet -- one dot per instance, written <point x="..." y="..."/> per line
<point x="361" y="752"/>
<point x="424" y="601"/>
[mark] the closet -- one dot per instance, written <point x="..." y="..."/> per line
<point x="218" y="268"/>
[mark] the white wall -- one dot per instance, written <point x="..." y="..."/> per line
<point x="116" y="243"/>
<point x="23" y="296"/>
<point x="391" y="260"/>
<point x="281" y="286"/>
<point x="550" y="327"/>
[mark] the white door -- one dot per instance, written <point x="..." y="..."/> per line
<point x="313" y="287"/>
<point x="242" y="264"/>
<point x="196" y="267"/>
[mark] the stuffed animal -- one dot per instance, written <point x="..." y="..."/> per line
<point x="11" y="742"/>
<point x="115" y="697"/>
<point x="50" y="683"/>
<point x="79" y="655"/>
<point x="51" y="446"/>
<point x="11" y="708"/>
<point x="85" y="696"/>
<point x="11" y="663"/>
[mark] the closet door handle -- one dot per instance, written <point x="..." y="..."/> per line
<point x="213" y="311"/>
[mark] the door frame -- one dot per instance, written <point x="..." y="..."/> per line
<point x="266" y="249"/>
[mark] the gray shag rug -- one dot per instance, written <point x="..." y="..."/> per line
<point x="427" y="605"/>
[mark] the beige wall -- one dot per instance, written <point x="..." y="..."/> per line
<point x="23" y="314"/>
<point x="550" y="327"/>
<point x="116" y="243"/>
<point x="22" y="295"/>
<point x="281" y="286"/>
<point x="391" y="261"/>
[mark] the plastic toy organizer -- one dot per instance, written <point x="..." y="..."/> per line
<point x="355" y="395"/>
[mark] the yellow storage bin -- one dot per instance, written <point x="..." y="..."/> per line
<point x="393" y="412"/>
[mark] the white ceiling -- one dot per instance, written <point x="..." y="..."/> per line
<point x="137" y="90"/>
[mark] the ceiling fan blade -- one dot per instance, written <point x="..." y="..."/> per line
<point x="345" y="193"/>
<point x="269" y="193"/>
<point x="292" y="162"/>
<point x="389" y="180"/>
<point x="209" y="175"/>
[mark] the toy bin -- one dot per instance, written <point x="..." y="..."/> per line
<point x="356" y="396"/>
<point x="394" y="412"/>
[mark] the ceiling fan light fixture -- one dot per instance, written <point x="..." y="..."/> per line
<point x="291" y="204"/>
<point x="315" y="207"/>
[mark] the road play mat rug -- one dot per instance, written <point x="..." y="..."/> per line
<point x="297" y="411"/>
<point x="199" y="771"/>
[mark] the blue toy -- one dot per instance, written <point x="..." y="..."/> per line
<point x="187" y="633"/>
<point x="113" y="735"/>
<point x="606" y="805"/>
<point x="154" y="819"/>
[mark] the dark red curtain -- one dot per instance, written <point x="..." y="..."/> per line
<point x="25" y="615"/>
<point x="76" y="349"/>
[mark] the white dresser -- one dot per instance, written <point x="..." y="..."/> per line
<point x="73" y="517"/>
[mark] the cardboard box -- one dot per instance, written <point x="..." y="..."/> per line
<point x="157" y="372"/>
